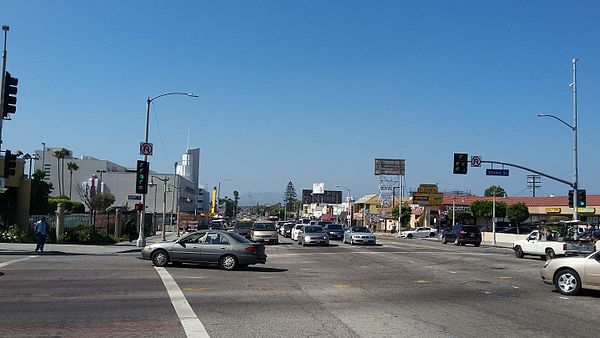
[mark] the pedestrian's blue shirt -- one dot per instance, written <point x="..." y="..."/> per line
<point x="41" y="227"/>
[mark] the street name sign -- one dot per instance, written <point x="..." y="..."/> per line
<point x="134" y="197"/>
<point x="496" y="172"/>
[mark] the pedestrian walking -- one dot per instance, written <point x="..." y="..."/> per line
<point x="41" y="230"/>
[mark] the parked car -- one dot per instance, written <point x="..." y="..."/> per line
<point x="462" y="234"/>
<point x="295" y="231"/>
<point x="228" y="250"/>
<point x="324" y="223"/>
<point x="217" y="225"/>
<point x="335" y="231"/>
<point x="571" y="274"/>
<point x="243" y="229"/>
<point x="264" y="232"/>
<point x="313" y="234"/>
<point x="419" y="232"/>
<point x="286" y="230"/>
<point x="359" y="235"/>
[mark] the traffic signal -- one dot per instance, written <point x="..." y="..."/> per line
<point x="10" y="163"/>
<point x="9" y="101"/>
<point x="581" y="198"/>
<point x="141" y="177"/>
<point x="570" y="198"/>
<point x="460" y="163"/>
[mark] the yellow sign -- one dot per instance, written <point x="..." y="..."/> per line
<point x="553" y="210"/>
<point x="431" y="188"/>
<point x="586" y="210"/>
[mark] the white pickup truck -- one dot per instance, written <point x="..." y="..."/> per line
<point x="536" y="244"/>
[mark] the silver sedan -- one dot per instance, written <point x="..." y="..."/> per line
<point x="313" y="234"/>
<point x="359" y="235"/>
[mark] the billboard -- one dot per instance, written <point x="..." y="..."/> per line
<point x="327" y="197"/>
<point x="389" y="166"/>
<point x="318" y="188"/>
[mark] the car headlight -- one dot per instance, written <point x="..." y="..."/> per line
<point x="307" y="238"/>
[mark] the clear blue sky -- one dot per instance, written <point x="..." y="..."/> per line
<point x="312" y="91"/>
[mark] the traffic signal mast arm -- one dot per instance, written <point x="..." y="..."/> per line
<point x="571" y="184"/>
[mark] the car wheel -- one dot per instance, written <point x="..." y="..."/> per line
<point x="444" y="240"/>
<point x="477" y="244"/>
<point x="228" y="262"/>
<point x="409" y="236"/>
<point x="519" y="252"/>
<point x="351" y="241"/>
<point x="431" y="235"/>
<point x="550" y="253"/>
<point x="456" y="242"/>
<point x="160" y="258"/>
<point x="567" y="282"/>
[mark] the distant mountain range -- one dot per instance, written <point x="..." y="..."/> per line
<point x="262" y="198"/>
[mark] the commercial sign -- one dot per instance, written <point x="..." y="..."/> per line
<point x="385" y="194"/>
<point x="327" y="197"/>
<point x="553" y="210"/>
<point x="318" y="188"/>
<point x="586" y="210"/>
<point x="429" y="188"/>
<point x="389" y="166"/>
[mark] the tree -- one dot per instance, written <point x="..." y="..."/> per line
<point x="290" y="195"/>
<point x="94" y="201"/>
<point x="406" y="214"/>
<point x="72" y="166"/>
<point x="40" y="190"/>
<point x="494" y="190"/>
<point x="517" y="213"/>
<point x="60" y="155"/>
<point x="485" y="209"/>
<point x="236" y="200"/>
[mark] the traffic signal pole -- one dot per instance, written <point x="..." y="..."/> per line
<point x="5" y="29"/>
<point x="141" y="241"/>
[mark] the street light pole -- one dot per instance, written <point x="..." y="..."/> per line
<point x="142" y="239"/>
<point x="349" y="201"/>
<point x="164" y="180"/>
<point x="219" y="192"/>
<point x="574" y="128"/>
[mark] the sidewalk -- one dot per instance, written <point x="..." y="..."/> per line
<point x="81" y="249"/>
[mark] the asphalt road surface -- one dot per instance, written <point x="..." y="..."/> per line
<point x="398" y="288"/>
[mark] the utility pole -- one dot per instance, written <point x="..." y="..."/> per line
<point x="533" y="182"/>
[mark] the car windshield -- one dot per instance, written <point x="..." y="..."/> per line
<point x="239" y="238"/>
<point x="313" y="229"/>
<point x="360" y="229"/>
<point x="334" y="227"/>
<point x="264" y="227"/>
<point x="243" y="226"/>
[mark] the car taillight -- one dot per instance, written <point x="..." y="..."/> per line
<point x="462" y="232"/>
<point x="251" y="249"/>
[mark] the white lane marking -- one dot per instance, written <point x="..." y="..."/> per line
<point x="565" y="298"/>
<point x="15" y="261"/>
<point x="379" y="253"/>
<point x="412" y="262"/>
<point x="191" y="323"/>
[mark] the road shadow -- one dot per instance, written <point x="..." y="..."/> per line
<point x="33" y="253"/>
<point x="583" y="293"/>
<point x="252" y="268"/>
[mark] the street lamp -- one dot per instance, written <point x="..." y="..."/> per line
<point x="349" y="201"/>
<point x="141" y="239"/>
<point x="219" y="191"/>
<point x="574" y="128"/>
<point x="30" y="157"/>
<point x="164" y="180"/>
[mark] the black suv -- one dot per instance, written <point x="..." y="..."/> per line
<point x="462" y="234"/>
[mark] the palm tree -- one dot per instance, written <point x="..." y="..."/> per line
<point x="58" y="154"/>
<point x="66" y="153"/>
<point x="72" y="166"/>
